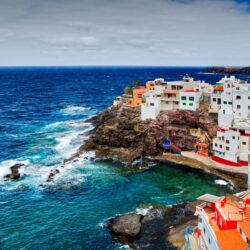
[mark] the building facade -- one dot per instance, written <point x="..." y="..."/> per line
<point x="189" y="99"/>
<point x="231" y="147"/>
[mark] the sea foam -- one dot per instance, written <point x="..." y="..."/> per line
<point x="74" y="110"/>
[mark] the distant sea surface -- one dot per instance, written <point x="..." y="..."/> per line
<point x="43" y="114"/>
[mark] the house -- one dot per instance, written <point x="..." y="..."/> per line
<point x="136" y="99"/>
<point x="215" y="103"/>
<point x="202" y="145"/>
<point x="151" y="105"/>
<point x="223" y="222"/>
<point x="235" y="104"/>
<point x="189" y="99"/>
<point x="117" y="101"/>
<point x="231" y="147"/>
<point x="170" y="99"/>
<point x="157" y="84"/>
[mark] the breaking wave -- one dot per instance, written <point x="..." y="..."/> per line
<point x="74" y="110"/>
<point x="51" y="145"/>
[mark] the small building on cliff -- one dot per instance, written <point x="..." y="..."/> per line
<point x="235" y="104"/>
<point x="231" y="147"/>
<point x="136" y="99"/>
<point x="151" y="105"/>
<point x="189" y="99"/>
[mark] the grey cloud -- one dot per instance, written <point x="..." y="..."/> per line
<point x="166" y="32"/>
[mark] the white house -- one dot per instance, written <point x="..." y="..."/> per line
<point x="235" y="104"/>
<point x="231" y="147"/>
<point x="189" y="99"/>
<point x="151" y="105"/>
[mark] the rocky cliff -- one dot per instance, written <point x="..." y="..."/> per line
<point x="120" y="132"/>
<point x="229" y="70"/>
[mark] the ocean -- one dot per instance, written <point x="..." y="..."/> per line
<point x="43" y="113"/>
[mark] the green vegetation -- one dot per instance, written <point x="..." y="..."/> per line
<point x="137" y="83"/>
<point x="128" y="91"/>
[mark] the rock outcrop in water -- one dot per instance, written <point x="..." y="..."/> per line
<point x="15" y="174"/>
<point x="229" y="70"/>
<point x="161" y="228"/>
<point x="120" y="132"/>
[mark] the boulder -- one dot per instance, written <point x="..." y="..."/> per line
<point x="126" y="225"/>
<point x="15" y="174"/>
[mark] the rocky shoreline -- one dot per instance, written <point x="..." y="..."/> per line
<point x="119" y="133"/>
<point x="161" y="227"/>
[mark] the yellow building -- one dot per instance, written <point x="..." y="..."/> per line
<point x="198" y="132"/>
<point x="150" y="85"/>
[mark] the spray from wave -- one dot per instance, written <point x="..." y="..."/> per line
<point x="74" y="110"/>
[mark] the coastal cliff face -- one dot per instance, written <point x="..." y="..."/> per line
<point x="120" y="132"/>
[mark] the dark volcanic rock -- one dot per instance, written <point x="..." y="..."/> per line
<point x="14" y="172"/>
<point x="229" y="70"/>
<point x="52" y="174"/>
<point x="121" y="133"/>
<point x="126" y="225"/>
<point x="156" y="227"/>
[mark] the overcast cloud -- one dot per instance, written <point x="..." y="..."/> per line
<point x="124" y="32"/>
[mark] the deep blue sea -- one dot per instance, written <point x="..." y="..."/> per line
<point x="43" y="114"/>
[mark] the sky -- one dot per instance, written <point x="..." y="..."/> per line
<point x="125" y="32"/>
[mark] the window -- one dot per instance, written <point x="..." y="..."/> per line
<point x="230" y="103"/>
<point x="224" y="102"/>
<point x="152" y="104"/>
<point x="191" y="98"/>
<point x="238" y="106"/>
<point x="216" y="144"/>
<point x="191" y="104"/>
<point x="209" y="240"/>
<point x="238" y="97"/>
<point x="248" y="107"/>
<point x="219" y="101"/>
<point x="227" y="141"/>
<point x="183" y="98"/>
<point x="214" y="99"/>
<point x="233" y="137"/>
<point x="244" y="143"/>
<point x="184" y="104"/>
<point x="220" y="146"/>
<point x="227" y="148"/>
<point x="204" y="230"/>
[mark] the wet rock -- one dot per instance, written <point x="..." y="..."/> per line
<point x="161" y="227"/>
<point x="126" y="227"/>
<point x="15" y="174"/>
<point x="52" y="174"/>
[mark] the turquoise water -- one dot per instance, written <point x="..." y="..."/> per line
<point x="43" y="121"/>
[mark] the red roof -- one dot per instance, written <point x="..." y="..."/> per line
<point x="189" y="90"/>
<point x="219" y="88"/>
<point x="139" y="87"/>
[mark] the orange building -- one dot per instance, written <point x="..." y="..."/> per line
<point x="150" y="85"/>
<point x="137" y="96"/>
